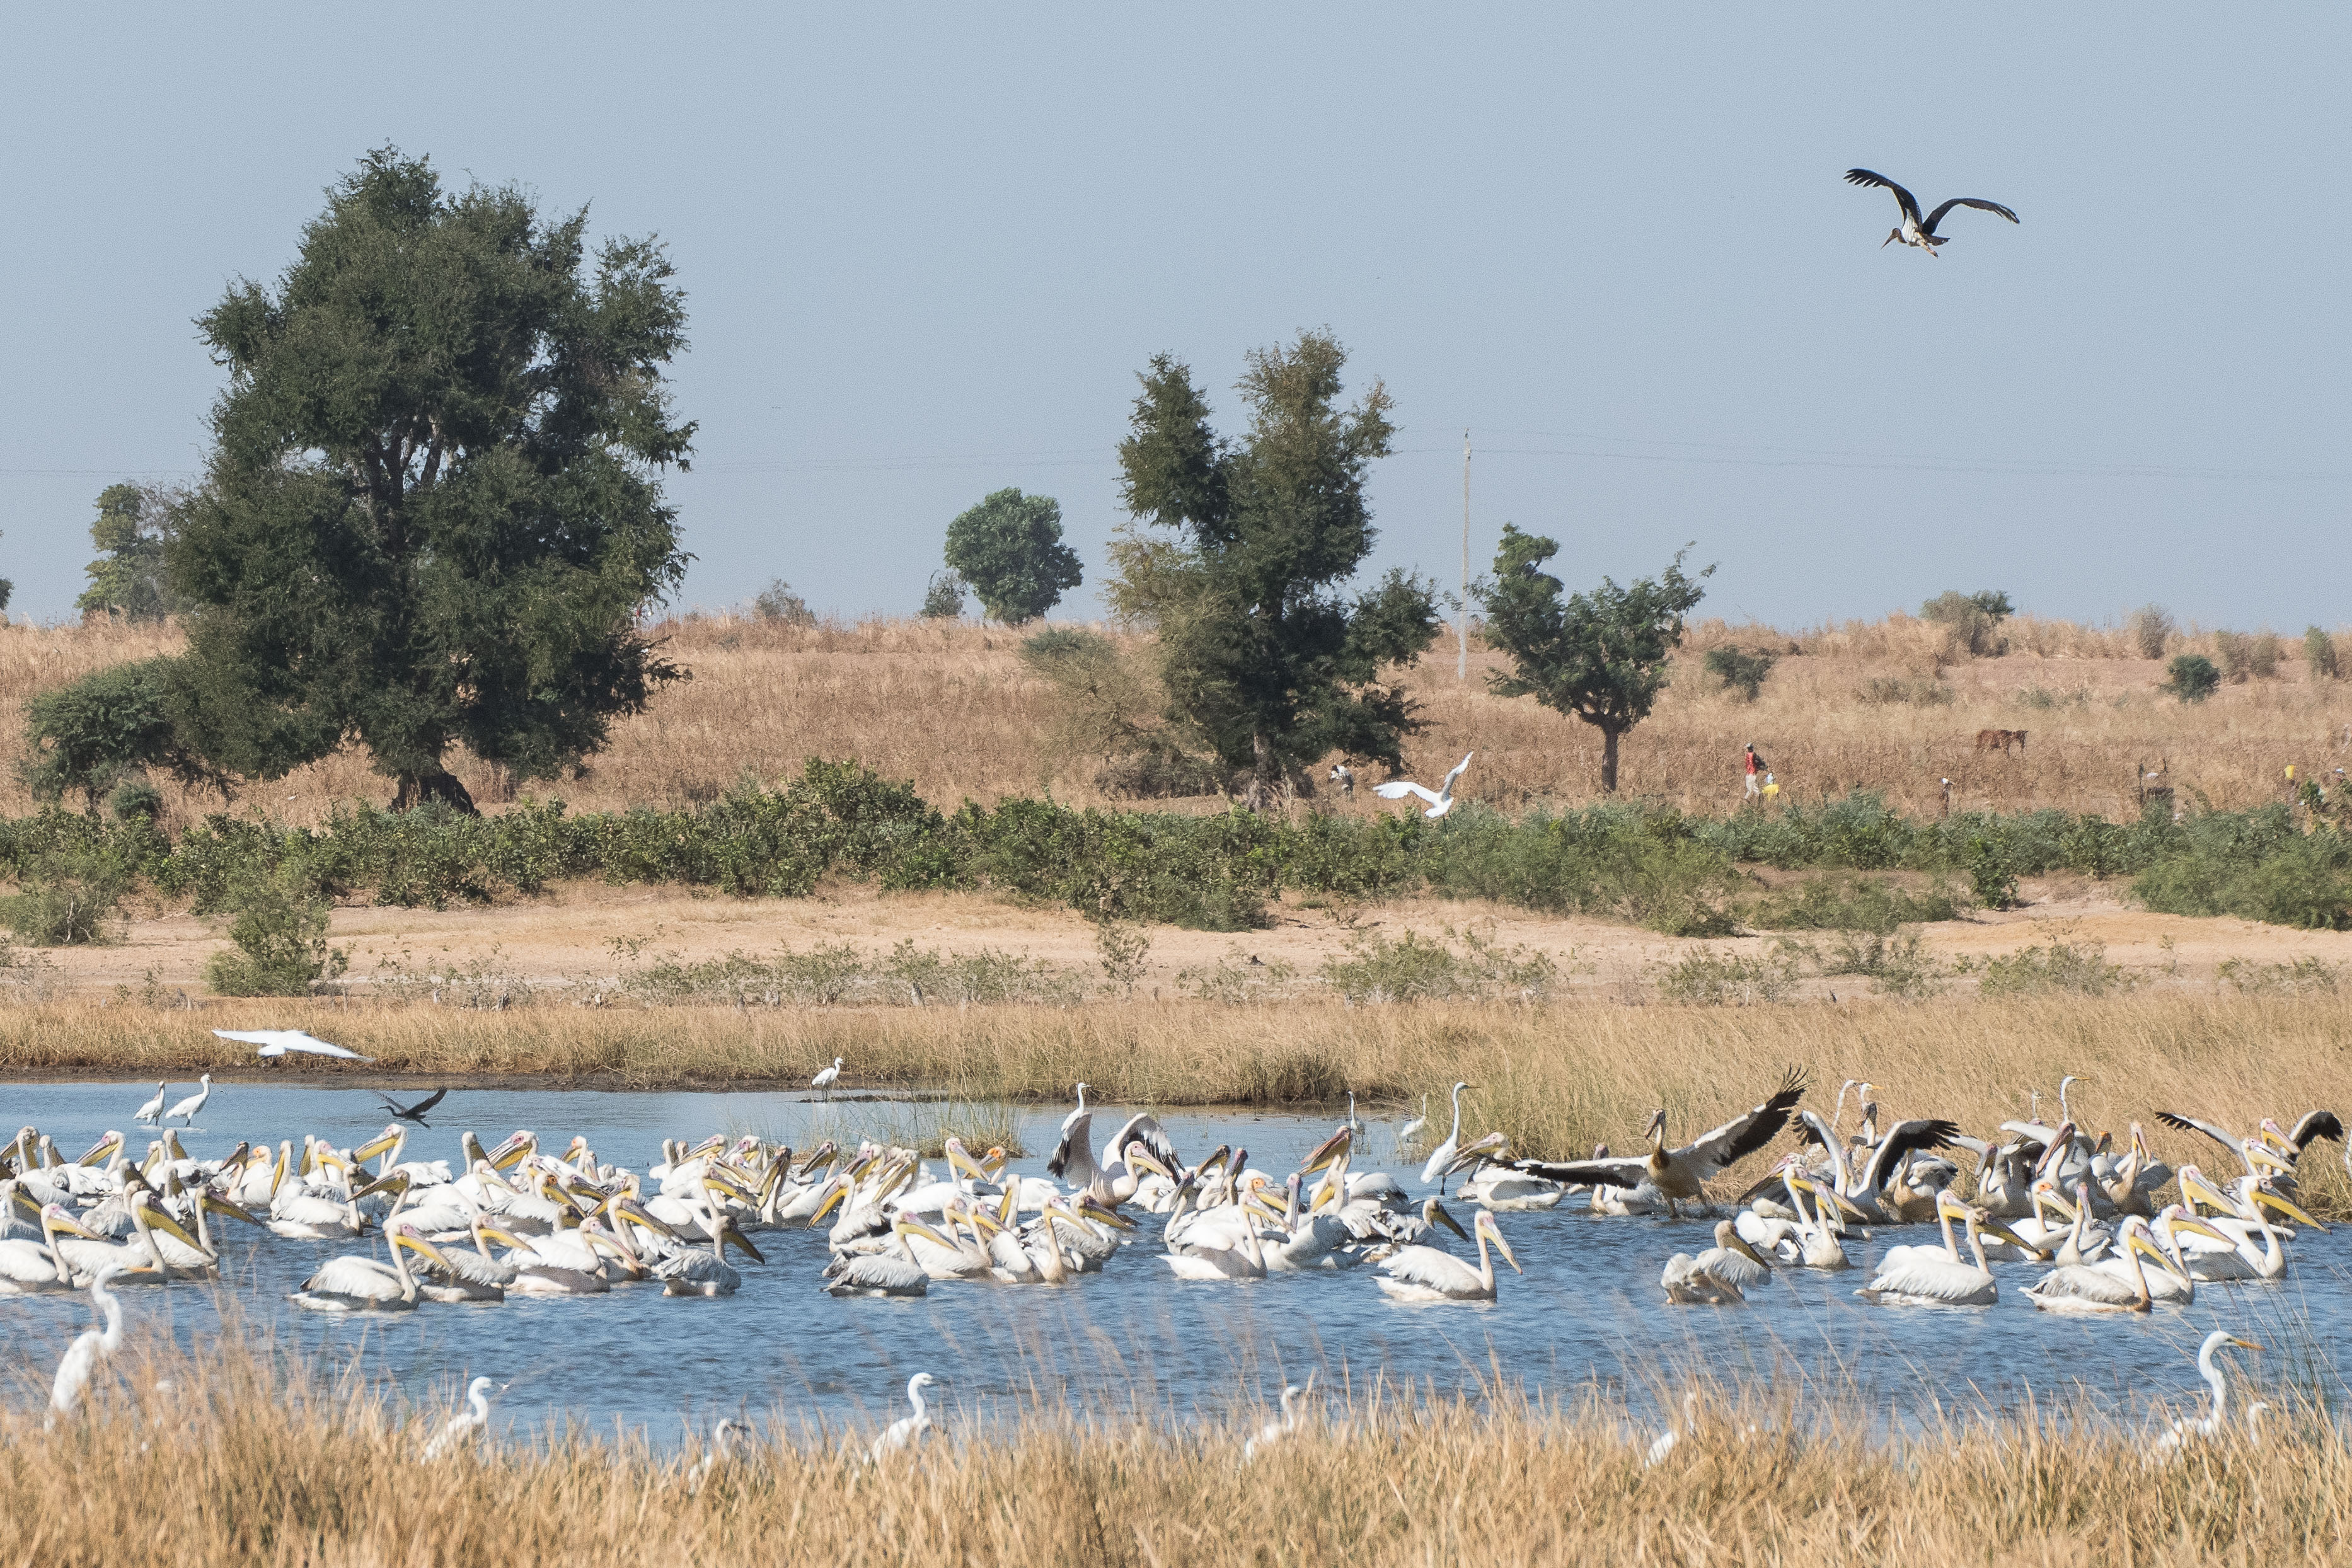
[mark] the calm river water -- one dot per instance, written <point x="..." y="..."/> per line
<point x="1586" y="1313"/>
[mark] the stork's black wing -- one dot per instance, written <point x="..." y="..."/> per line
<point x="1905" y="1136"/>
<point x="1630" y="1171"/>
<point x="1745" y="1134"/>
<point x="1910" y="205"/>
<point x="1981" y="205"/>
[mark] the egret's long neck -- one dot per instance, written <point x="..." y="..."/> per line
<point x="915" y="1399"/>
<point x="112" y="1340"/>
<point x="1455" y="1135"/>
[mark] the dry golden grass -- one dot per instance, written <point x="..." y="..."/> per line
<point x="1556" y="1078"/>
<point x="950" y="706"/>
<point x="235" y="1465"/>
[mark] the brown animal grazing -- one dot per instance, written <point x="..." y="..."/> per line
<point x="1999" y="739"/>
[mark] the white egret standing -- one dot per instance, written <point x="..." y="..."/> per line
<point x="1444" y="1156"/>
<point x="186" y="1110"/>
<point x="2184" y="1431"/>
<point x="1672" y="1436"/>
<point x="81" y="1357"/>
<point x="468" y="1422"/>
<point x="827" y="1078"/>
<point x="1441" y="800"/>
<point x="908" y="1431"/>
<point x="154" y="1107"/>
<point x="1276" y="1431"/>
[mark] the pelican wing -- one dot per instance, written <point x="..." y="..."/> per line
<point x="1154" y="1136"/>
<point x="2084" y="1284"/>
<point x="1074" y="1156"/>
<point x="1977" y="202"/>
<point x="363" y="1277"/>
<point x="1403" y="788"/>
<point x="1910" y="204"/>
<point x="2316" y="1124"/>
<point x="1745" y="1134"/>
<point x="1931" y="1277"/>
<point x="1901" y="1139"/>
<point x="1628" y="1170"/>
<point x="2213" y="1130"/>
<point x="883" y="1271"/>
<point x="1428" y="1267"/>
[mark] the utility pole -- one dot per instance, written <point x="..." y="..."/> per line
<point x="1462" y="622"/>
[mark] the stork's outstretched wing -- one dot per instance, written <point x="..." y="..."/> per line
<point x="2213" y="1130"/>
<point x="1901" y="1139"/>
<point x="2317" y="1124"/>
<point x="1978" y="203"/>
<point x="1910" y="207"/>
<point x="1745" y="1134"/>
<point x="1145" y="1128"/>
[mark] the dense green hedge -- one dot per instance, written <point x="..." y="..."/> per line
<point x="1657" y="866"/>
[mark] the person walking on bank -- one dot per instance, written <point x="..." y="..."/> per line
<point x="1755" y="773"/>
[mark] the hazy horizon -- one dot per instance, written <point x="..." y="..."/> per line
<point x="926" y="252"/>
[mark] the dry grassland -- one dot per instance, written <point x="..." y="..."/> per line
<point x="234" y="1464"/>
<point x="951" y="706"/>
<point x="1556" y="1079"/>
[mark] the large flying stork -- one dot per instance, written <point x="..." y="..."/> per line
<point x="1915" y="230"/>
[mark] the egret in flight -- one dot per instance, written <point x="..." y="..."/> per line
<point x="1916" y="231"/>
<point x="278" y="1042"/>
<point x="1441" y="800"/>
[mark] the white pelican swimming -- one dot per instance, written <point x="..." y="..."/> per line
<point x="1426" y="1274"/>
<point x="2080" y="1289"/>
<point x="695" y="1272"/>
<point x="27" y="1267"/>
<point x="356" y="1284"/>
<point x="467" y="1423"/>
<point x="909" y="1430"/>
<point x="81" y="1357"/>
<point x="1680" y="1174"/>
<point x="1932" y="1277"/>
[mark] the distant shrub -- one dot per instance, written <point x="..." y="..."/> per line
<point x="135" y="800"/>
<point x="1415" y="969"/>
<point x="2235" y="651"/>
<point x="2150" y="630"/>
<point x="1973" y="620"/>
<point x="1851" y="904"/>
<point x="1740" y="671"/>
<point x="1896" y="963"/>
<point x="1992" y="872"/>
<point x="2060" y="968"/>
<point x="279" y="932"/>
<point x="2193" y="678"/>
<point x="2256" y="867"/>
<point x="2264" y="656"/>
<point x="2305" y="976"/>
<point x="1922" y="692"/>
<point x="779" y="604"/>
<point x="68" y="897"/>
<point x="2319" y="655"/>
<point x="1715" y="977"/>
<point x="943" y="597"/>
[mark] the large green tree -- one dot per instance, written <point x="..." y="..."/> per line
<point x="433" y="511"/>
<point x="134" y="527"/>
<point x="1266" y="661"/>
<point x="1602" y="656"/>
<point x="1009" y="549"/>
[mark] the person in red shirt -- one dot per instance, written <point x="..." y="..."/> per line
<point x="1755" y="773"/>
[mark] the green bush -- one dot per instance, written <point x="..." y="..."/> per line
<point x="2060" y="968"/>
<point x="1973" y="620"/>
<point x="1717" y="977"/>
<point x="1740" y="671"/>
<point x="2319" y="654"/>
<point x="1992" y="873"/>
<point x="91" y="733"/>
<point x="942" y="597"/>
<point x="779" y="604"/>
<point x="2193" y="678"/>
<point x="279" y="932"/>
<point x="1850" y="904"/>
<point x="68" y="897"/>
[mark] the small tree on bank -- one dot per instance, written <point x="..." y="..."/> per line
<point x="1265" y="662"/>
<point x="432" y="513"/>
<point x="1602" y="656"/>
<point x="1009" y="550"/>
<point x="134" y="527"/>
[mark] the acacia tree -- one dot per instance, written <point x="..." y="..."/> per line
<point x="1263" y="659"/>
<point x="135" y="523"/>
<point x="1602" y="656"/>
<point x="432" y="512"/>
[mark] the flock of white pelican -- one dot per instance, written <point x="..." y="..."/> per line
<point x="523" y="1217"/>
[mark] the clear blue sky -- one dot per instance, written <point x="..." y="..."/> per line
<point x="928" y="248"/>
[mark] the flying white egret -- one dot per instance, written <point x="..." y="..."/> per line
<point x="186" y="1110"/>
<point x="154" y="1107"/>
<point x="468" y="1422"/>
<point x="2184" y="1431"/>
<point x="908" y="1430"/>
<point x="1441" y="800"/>
<point x="1915" y="230"/>
<point x="81" y="1358"/>
<point x="1444" y="1154"/>
<point x="827" y="1078"/>
<point x="278" y="1042"/>
<point x="1412" y="1129"/>
<point x="1680" y="1174"/>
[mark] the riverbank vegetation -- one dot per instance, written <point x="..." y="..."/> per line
<point x="226" y="1460"/>
<point x="1556" y="1078"/>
